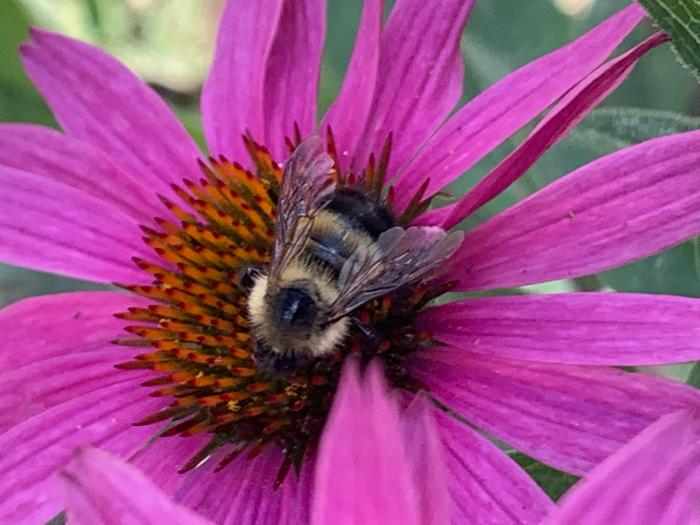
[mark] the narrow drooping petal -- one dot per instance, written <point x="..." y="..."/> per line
<point x="232" y="97"/>
<point x="617" y="209"/>
<point x="363" y="474"/>
<point x="575" y="328"/>
<point x="59" y="325"/>
<point x="348" y="114"/>
<point x="37" y="448"/>
<point x="569" y="112"/>
<point x="45" y="152"/>
<point x="98" y="100"/>
<point x="100" y="489"/>
<point x="487" y="486"/>
<point x="242" y="493"/>
<point x="420" y="76"/>
<point x="292" y="73"/>
<point x="653" y="479"/>
<point x="509" y="104"/>
<point x="424" y="450"/>
<point x="570" y="417"/>
<point x="49" y="225"/>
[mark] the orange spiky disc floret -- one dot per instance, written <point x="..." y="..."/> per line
<point x="195" y="334"/>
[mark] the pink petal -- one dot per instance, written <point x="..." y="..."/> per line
<point x="35" y="388"/>
<point x="58" y="363"/>
<point x="435" y="216"/>
<point x="419" y="79"/>
<point x="49" y="225"/>
<point x="42" y="328"/>
<point x="36" y="449"/>
<point x="363" y="474"/>
<point x="485" y="484"/>
<point x="575" y="328"/>
<point x="297" y="496"/>
<point x="48" y="153"/>
<point x="570" y="417"/>
<point x="569" y="112"/>
<point x="232" y="98"/>
<point x="622" y="207"/>
<point x="508" y="105"/>
<point x="161" y="459"/>
<point x="291" y="77"/>
<point x="103" y="490"/>
<point x="425" y="454"/>
<point x="242" y="493"/>
<point x="96" y="99"/>
<point x="653" y="479"/>
<point x="348" y="114"/>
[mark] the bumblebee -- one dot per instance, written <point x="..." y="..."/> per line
<point x="335" y="249"/>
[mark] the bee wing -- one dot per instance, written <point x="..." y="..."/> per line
<point x="399" y="257"/>
<point x="305" y="182"/>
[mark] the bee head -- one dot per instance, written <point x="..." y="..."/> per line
<point x="293" y="309"/>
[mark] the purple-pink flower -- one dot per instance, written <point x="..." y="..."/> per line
<point x="376" y="464"/>
<point x="124" y="195"/>
<point x="399" y="477"/>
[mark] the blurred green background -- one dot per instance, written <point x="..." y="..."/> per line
<point x="169" y="44"/>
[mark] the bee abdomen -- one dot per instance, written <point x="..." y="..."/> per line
<point x="361" y="211"/>
<point x="328" y="250"/>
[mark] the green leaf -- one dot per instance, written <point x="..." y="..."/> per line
<point x="621" y="126"/>
<point x="59" y="519"/>
<point x="681" y="20"/>
<point x="694" y="377"/>
<point x="18" y="99"/>
<point x="13" y="28"/>
<point x="669" y="272"/>
<point x="554" y="482"/>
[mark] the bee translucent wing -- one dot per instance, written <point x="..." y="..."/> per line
<point x="399" y="257"/>
<point x="305" y="182"/>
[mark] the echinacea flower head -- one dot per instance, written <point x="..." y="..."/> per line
<point x="123" y="195"/>
<point x="655" y="478"/>
<point x="377" y="464"/>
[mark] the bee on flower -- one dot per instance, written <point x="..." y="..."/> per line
<point x="251" y="273"/>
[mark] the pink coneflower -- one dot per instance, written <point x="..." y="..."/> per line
<point x="376" y="465"/>
<point x="653" y="479"/>
<point x="124" y="195"/>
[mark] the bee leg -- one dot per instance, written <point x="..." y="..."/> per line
<point x="271" y="361"/>
<point x="368" y="331"/>
<point x="247" y="276"/>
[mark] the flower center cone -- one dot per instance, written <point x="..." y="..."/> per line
<point x="197" y="335"/>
